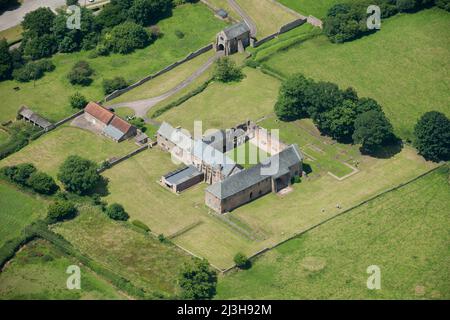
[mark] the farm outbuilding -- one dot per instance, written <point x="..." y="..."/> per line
<point x="106" y="122"/>
<point x="29" y="115"/>
<point x="182" y="179"/>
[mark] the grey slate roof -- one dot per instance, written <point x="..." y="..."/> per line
<point x="237" y="182"/>
<point x="236" y="30"/>
<point x="197" y="148"/>
<point x="182" y="175"/>
<point x="27" y="113"/>
<point x="113" y="132"/>
<point x="247" y="178"/>
<point x="175" y="136"/>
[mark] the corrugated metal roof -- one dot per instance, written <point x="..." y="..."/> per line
<point x="113" y="132"/>
<point x="37" y="119"/>
<point x="182" y="175"/>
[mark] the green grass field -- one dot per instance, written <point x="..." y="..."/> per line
<point x="50" y="94"/>
<point x="266" y="221"/>
<point x="3" y="136"/>
<point x="38" y="271"/>
<point x="165" y="82"/>
<point x="137" y="257"/>
<point x="317" y="8"/>
<point x="184" y="215"/>
<point x="401" y="66"/>
<point x="268" y="16"/>
<point x="247" y="155"/>
<point x="49" y="151"/>
<point x="17" y="210"/>
<point x="322" y="154"/>
<point x="404" y="232"/>
<point x="225" y="105"/>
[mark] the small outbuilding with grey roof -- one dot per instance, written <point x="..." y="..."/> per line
<point x="182" y="179"/>
<point x="233" y="39"/>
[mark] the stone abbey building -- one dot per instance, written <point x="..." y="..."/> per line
<point x="230" y="184"/>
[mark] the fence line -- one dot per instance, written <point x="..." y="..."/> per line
<point x="190" y="56"/>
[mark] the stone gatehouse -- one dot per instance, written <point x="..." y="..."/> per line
<point x="233" y="39"/>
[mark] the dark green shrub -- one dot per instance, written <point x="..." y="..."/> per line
<point x="141" y="225"/>
<point x="59" y="211"/>
<point x="198" y="281"/>
<point x="81" y="74"/>
<point x="77" y="101"/>
<point x="116" y="212"/>
<point x="111" y="85"/>
<point x="227" y="71"/>
<point x="179" y="34"/>
<point x="241" y="261"/>
<point x="78" y="175"/>
<point x="432" y="136"/>
<point x="42" y="183"/>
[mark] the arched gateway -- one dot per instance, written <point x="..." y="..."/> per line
<point x="233" y="39"/>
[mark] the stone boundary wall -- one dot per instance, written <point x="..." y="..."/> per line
<point x="283" y="29"/>
<point x="190" y="56"/>
<point x="119" y="160"/>
<point x="314" y="21"/>
<point x="73" y="116"/>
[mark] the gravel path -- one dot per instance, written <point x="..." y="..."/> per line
<point x="248" y="20"/>
<point x="13" y="17"/>
<point x="141" y="107"/>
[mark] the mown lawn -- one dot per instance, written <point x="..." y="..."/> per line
<point x="49" y="151"/>
<point x="184" y="215"/>
<point x="38" y="271"/>
<point x="17" y="210"/>
<point x="136" y="256"/>
<point x="268" y="16"/>
<point x="404" y="232"/>
<point x="49" y="96"/>
<point x="247" y="155"/>
<point x="225" y="105"/>
<point x="317" y="8"/>
<point x="401" y="66"/>
<point x="265" y="221"/>
<point x="322" y="154"/>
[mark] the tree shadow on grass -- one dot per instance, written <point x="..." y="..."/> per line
<point x="101" y="188"/>
<point x="386" y="151"/>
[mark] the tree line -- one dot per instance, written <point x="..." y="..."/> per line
<point x="347" y="21"/>
<point x="120" y="27"/>
<point x="342" y="115"/>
